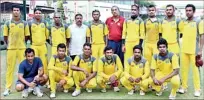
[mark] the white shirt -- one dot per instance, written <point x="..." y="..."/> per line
<point x="77" y="38"/>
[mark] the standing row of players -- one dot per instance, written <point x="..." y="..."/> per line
<point x="122" y="35"/>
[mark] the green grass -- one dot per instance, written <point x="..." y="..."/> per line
<point x="96" y="92"/>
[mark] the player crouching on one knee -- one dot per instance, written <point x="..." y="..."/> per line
<point x="30" y="75"/>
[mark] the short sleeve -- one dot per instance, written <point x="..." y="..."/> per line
<point x="76" y="61"/>
<point x="39" y="63"/>
<point x="21" y="68"/>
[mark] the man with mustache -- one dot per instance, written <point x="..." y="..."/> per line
<point x="109" y="70"/>
<point x="16" y="33"/>
<point x="78" y="35"/>
<point x="191" y="47"/>
<point x="136" y="72"/>
<point x="115" y="27"/>
<point x="133" y="32"/>
<point x="39" y="35"/>
<point x="170" y="29"/>
<point x="164" y="68"/>
<point x="84" y="71"/>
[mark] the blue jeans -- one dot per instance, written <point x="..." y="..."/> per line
<point x="117" y="47"/>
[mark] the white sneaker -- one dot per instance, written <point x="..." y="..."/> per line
<point x="52" y="95"/>
<point x="197" y="93"/>
<point x="30" y="90"/>
<point x="65" y="91"/>
<point x="165" y="87"/>
<point x="6" y="92"/>
<point x="76" y="93"/>
<point x="142" y="92"/>
<point x="171" y="97"/>
<point x="88" y="90"/>
<point x="159" y="93"/>
<point x="103" y="90"/>
<point x="182" y="91"/>
<point x="25" y="93"/>
<point x="37" y="92"/>
<point x="131" y="92"/>
<point x="116" y="89"/>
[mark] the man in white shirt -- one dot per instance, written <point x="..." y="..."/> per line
<point x="79" y="34"/>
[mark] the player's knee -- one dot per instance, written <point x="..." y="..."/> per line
<point x="19" y="87"/>
<point x="175" y="81"/>
<point x="123" y="81"/>
<point x="99" y="80"/>
<point x="51" y="73"/>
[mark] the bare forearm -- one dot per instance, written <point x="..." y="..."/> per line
<point x="23" y="80"/>
<point x="88" y="39"/>
<point x="68" y="41"/>
<point x="152" y="72"/>
<point x="6" y="39"/>
<point x="91" y="76"/>
<point x="75" y="68"/>
<point x="175" y="72"/>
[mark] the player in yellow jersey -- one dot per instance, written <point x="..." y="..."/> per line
<point x="39" y="34"/>
<point x="15" y="34"/>
<point x="164" y="68"/>
<point x="136" y="72"/>
<point x="98" y="35"/>
<point x="109" y="70"/>
<point x="84" y="71"/>
<point x="60" y="70"/>
<point x="58" y="33"/>
<point x="170" y="29"/>
<point x="133" y="32"/>
<point x="189" y="49"/>
<point x="151" y="33"/>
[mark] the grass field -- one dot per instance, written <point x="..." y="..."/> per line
<point x="96" y="93"/>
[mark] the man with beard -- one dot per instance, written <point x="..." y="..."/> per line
<point x="190" y="49"/>
<point x="151" y="33"/>
<point x="115" y="27"/>
<point x="58" y="33"/>
<point x="109" y="70"/>
<point x="164" y="68"/>
<point x="84" y="71"/>
<point x="16" y="33"/>
<point x="98" y="35"/>
<point x="60" y="70"/>
<point x="136" y="72"/>
<point x="133" y="32"/>
<point x="79" y="34"/>
<point x="170" y="29"/>
<point x="39" y="35"/>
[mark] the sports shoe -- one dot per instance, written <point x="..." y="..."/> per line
<point x="171" y="97"/>
<point x="142" y="92"/>
<point x="88" y="90"/>
<point x="52" y="95"/>
<point x="65" y="91"/>
<point x="30" y="90"/>
<point x="103" y="90"/>
<point x="116" y="89"/>
<point x="37" y="92"/>
<point x="76" y="93"/>
<point x="164" y="87"/>
<point x="197" y="93"/>
<point x="6" y="92"/>
<point x="25" y="93"/>
<point x="131" y="92"/>
<point x="182" y="91"/>
<point x="159" y="93"/>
